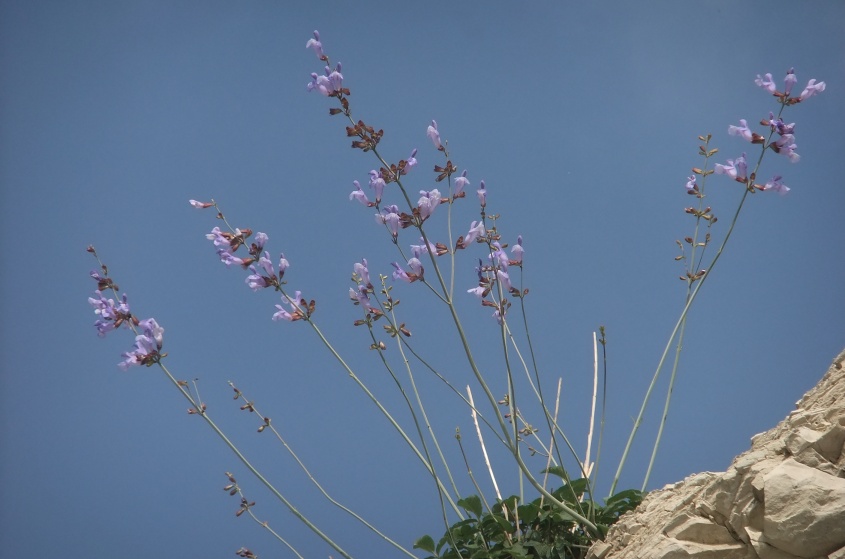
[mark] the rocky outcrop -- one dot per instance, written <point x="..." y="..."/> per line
<point x="782" y="499"/>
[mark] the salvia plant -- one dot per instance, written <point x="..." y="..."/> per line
<point x="429" y="237"/>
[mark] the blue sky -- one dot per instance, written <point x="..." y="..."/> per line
<point x="581" y="118"/>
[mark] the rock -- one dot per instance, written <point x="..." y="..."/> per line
<point x="782" y="499"/>
<point x="804" y="501"/>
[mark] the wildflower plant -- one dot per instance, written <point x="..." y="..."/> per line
<point x="437" y="222"/>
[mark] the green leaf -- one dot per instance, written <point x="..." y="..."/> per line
<point x="426" y="543"/>
<point x="471" y="504"/>
<point x="558" y="471"/>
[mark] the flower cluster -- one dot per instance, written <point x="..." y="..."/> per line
<point x="112" y="315"/>
<point x="393" y="218"/>
<point x="258" y="262"/>
<point x="496" y="272"/>
<point x="785" y="145"/>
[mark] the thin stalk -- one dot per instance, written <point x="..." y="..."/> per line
<point x="603" y="341"/>
<point x="483" y="448"/>
<point x="675" y="330"/>
<point x="251" y="468"/>
<point x="384" y="412"/>
<point x="587" y="465"/>
<point x="317" y="484"/>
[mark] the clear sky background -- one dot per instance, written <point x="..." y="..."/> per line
<point x="581" y="117"/>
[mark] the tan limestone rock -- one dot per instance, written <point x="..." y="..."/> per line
<point x="782" y="499"/>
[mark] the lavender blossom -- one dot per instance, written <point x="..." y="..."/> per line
<point x="789" y="81"/>
<point x="153" y="331"/>
<point x="517" y="251"/>
<point x="691" y="186"/>
<point x="741" y="130"/>
<point x="812" y="89"/>
<point x="786" y="146"/>
<point x="410" y="163"/>
<point x="217" y="237"/>
<point x="766" y="83"/>
<point x="399" y="274"/>
<point x="360" y="269"/>
<point x="145" y="349"/>
<point x="228" y="258"/>
<point x="316" y="45"/>
<point x="482" y="195"/>
<point x="476" y="230"/>
<point x="504" y="280"/>
<point x="428" y="202"/>
<point x="390" y="217"/>
<point x="776" y="185"/>
<point x="283" y="265"/>
<point x="434" y="135"/>
<point x="461" y="183"/>
<point x="416" y="266"/>
<point x="255" y="281"/>
<point x="477" y="291"/>
<point x="736" y="169"/>
<point x="293" y="302"/>
<point x="112" y="315"/>
<point x="360" y="195"/>
<point x="377" y="184"/>
<point x="360" y="296"/>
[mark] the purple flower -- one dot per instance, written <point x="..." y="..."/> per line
<point x="377" y="184"/>
<point x="482" y="195"/>
<point x="461" y="183"/>
<point x="360" y="269"/>
<point x="360" y="195"/>
<point x="789" y="81"/>
<point x="260" y="240"/>
<point x="499" y="257"/>
<point x="418" y="250"/>
<point x="112" y="315"/>
<point x="255" y="281"/>
<point x="776" y="185"/>
<point x="517" y="250"/>
<point x="432" y="133"/>
<point x="360" y="296"/>
<point x="691" y="186"/>
<point x="399" y="273"/>
<point x="318" y="83"/>
<point x="785" y="145"/>
<point x="390" y="217"/>
<point x="416" y="266"/>
<point x="295" y="312"/>
<point x="779" y="126"/>
<point x="477" y="291"/>
<point x="504" y="280"/>
<point x="145" y="348"/>
<point x="410" y="163"/>
<point x="736" y="169"/>
<point x="316" y="45"/>
<point x="812" y="89"/>
<point x="476" y="230"/>
<point x="741" y="130"/>
<point x="217" y="237"/>
<point x="766" y="83"/>
<point x="283" y="265"/>
<point x="335" y="78"/>
<point x="228" y="258"/>
<point x="428" y="202"/>
<point x="152" y="330"/>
